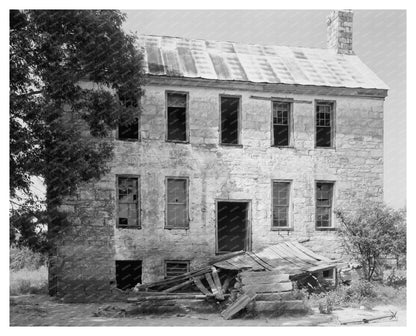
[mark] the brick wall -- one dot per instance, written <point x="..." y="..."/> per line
<point x="218" y="172"/>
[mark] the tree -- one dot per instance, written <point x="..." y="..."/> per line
<point x="373" y="233"/>
<point x="59" y="129"/>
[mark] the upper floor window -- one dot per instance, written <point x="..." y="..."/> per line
<point x="230" y="120"/>
<point x="324" y="196"/>
<point x="281" y="123"/>
<point x="127" y="201"/>
<point x="176" y="117"/>
<point x="324" y="124"/>
<point x="129" y="130"/>
<point x="177" y="203"/>
<point x="281" y="199"/>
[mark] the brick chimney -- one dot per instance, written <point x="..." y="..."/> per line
<point x="339" y="31"/>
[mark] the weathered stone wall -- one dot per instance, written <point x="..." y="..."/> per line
<point x="222" y="172"/>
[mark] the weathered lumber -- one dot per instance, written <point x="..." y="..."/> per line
<point x="260" y="261"/>
<point x="217" y="283"/>
<point x="201" y="286"/>
<point x="238" y="305"/>
<point x="263" y="277"/>
<point x="211" y="283"/>
<point x="165" y="297"/>
<point x="181" y="285"/>
<point x="269" y="288"/>
<point x="225" y="257"/>
<point x="174" y="280"/>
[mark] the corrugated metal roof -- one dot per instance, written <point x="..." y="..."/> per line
<point x="290" y="257"/>
<point x="180" y="57"/>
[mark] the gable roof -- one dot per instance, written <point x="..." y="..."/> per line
<point x="180" y="57"/>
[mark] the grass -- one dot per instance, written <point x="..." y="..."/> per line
<point x="27" y="281"/>
<point x="361" y="293"/>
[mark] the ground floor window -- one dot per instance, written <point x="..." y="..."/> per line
<point x="128" y="273"/>
<point x="324" y="196"/>
<point x="175" y="267"/>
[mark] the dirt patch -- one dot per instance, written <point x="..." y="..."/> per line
<point x="41" y="310"/>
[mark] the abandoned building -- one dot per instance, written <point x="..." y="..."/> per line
<point x="238" y="146"/>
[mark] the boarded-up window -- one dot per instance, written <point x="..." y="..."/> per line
<point x="324" y="191"/>
<point x="281" y="197"/>
<point x="176" y="117"/>
<point x="177" y="203"/>
<point x="128" y="201"/>
<point x="230" y="120"/>
<point x="281" y="123"/>
<point x="175" y="268"/>
<point x="129" y="130"/>
<point x="324" y="124"/>
<point x="128" y="273"/>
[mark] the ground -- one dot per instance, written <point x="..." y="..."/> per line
<point x="41" y="310"/>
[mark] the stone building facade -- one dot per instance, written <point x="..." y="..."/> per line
<point x="166" y="204"/>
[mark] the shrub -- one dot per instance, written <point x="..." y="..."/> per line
<point x="361" y="293"/>
<point x="24" y="258"/>
<point x="371" y="234"/>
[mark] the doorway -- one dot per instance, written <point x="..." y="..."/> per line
<point x="233" y="229"/>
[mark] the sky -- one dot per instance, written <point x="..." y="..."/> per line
<point x="379" y="39"/>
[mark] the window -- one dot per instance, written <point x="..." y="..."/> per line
<point x="176" y="117"/>
<point x="230" y="110"/>
<point x="281" y="198"/>
<point x="129" y="130"/>
<point x="324" y="124"/>
<point x="281" y="123"/>
<point x="128" y="273"/>
<point x="127" y="202"/>
<point x="324" y="191"/>
<point x="174" y="268"/>
<point x="177" y="203"/>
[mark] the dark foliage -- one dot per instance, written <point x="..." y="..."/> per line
<point x="67" y="70"/>
<point x="372" y="234"/>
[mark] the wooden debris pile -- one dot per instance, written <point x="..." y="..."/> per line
<point x="259" y="280"/>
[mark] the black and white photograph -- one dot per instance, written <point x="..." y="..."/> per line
<point x="207" y="167"/>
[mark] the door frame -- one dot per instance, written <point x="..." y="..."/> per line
<point x="248" y="239"/>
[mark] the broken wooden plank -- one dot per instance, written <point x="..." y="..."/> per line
<point x="224" y="257"/>
<point x="201" y="287"/>
<point x="238" y="305"/>
<point x="217" y="283"/>
<point x="181" y="285"/>
<point x="211" y="283"/>
<point x="269" y="288"/>
<point x="165" y="297"/>
<point x="173" y="280"/>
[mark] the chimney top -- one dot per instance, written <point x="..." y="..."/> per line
<point x="339" y="31"/>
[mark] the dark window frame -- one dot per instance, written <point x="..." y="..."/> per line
<point x="185" y="178"/>
<point x="186" y="94"/>
<point x="289" y="226"/>
<point x="332" y="104"/>
<point x="138" y="139"/>
<point x="187" y="262"/>
<point x="331" y="226"/>
<point x="138" y="206"/>
<point x="239" y="120"/>
<point x="290" y="122"/>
